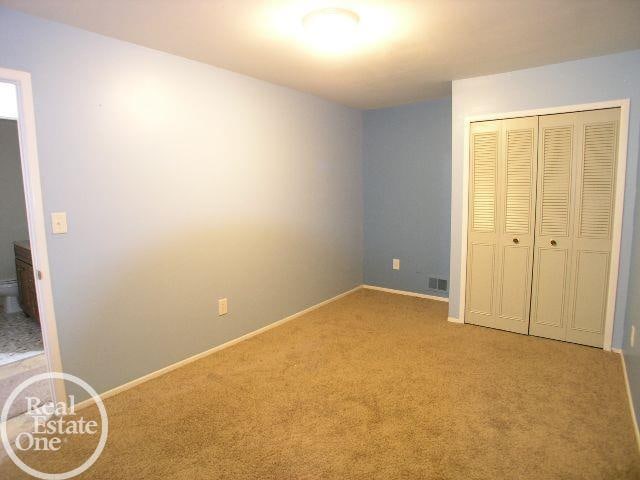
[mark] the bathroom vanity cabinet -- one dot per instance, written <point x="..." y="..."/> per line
<point x="26" y="279"/>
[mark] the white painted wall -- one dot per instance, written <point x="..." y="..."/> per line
<point x="183" y="183"/>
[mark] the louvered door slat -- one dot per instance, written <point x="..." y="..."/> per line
<point x="556" y="180"/>
<point x="598" y="176"/>
<point x="520" y="150"/>
<point x="485" y="158"/>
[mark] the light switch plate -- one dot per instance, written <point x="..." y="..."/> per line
<point x="222" y="306"/>
<point x="396" y="264"/>
<point x="59" y="222"/>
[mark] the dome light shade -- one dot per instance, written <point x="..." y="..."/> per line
<point x="331" y="29"/>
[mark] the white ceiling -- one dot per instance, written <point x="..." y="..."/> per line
<point x="407" y="50"/>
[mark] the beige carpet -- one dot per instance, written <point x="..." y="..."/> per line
<point x="375" y="386"/>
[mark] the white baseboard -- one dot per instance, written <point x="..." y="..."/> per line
<point x="455" y="320"/>
<point x="404" y="292"/>
<point x="633" y="412"/>
<point x="198" y="356"/>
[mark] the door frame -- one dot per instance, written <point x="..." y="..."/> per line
<point x="623" y="105"/>
<point x="36" y="221"/>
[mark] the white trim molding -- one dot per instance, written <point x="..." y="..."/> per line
<point x="633" y="411"/>
<point x="36" y="222"/>
<point x="404" y="292"/>
<point x="455" y="320"/>
<point x="623" y="105"/>
<point x="145" y="378"/>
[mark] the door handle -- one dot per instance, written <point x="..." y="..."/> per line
<point x="516" y="241"/>
<point x="553" y="242"/>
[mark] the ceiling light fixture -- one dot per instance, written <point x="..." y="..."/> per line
<point x="331" y="29"/>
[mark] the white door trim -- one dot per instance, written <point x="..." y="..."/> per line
<point x="36" y="221"/>
<point x="623" y="104"/>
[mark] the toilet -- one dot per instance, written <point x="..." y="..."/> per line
<point x="9" y="296"/>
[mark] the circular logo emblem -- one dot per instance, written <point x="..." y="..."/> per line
<point x="52" y="424"/>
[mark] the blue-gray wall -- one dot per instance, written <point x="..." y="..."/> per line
<point x="583" y="81"/>
<point x="632" y="354"/>
<point x="407" y="193"/>
<point x="183" y="183"/>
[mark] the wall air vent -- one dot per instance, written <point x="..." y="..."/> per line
<point x="439" y="284"/>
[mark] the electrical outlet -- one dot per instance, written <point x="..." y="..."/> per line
<point x="396" y="264"/>
<point x="222" y="306"/>
<point x="632" y="340"/>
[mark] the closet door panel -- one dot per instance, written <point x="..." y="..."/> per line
<point x="482" y="261"/>
<point x="549" y="300"/>
<point x="501" y="223"/>
<point x="482" y="233"/>
<point x="597" y="133"/>
<point x="590" y="297"/>
<point x="553" y="243"/>
<point x="515" y="284"/>
<point x="517" y="199"/>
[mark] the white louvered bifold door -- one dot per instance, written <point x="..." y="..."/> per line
<point x="576" y="185"/>
<point x="482" y="244"/>
<point x="501" y="223"/>
<point x="597" y="133"/>
<point x="553" y="244"/>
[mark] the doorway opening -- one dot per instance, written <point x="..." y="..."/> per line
<point x="28" y="336"/>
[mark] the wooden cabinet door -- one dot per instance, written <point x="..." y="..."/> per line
<point x="27" y="289"/>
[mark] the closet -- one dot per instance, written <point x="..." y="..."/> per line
<point x="541" y="202"/>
